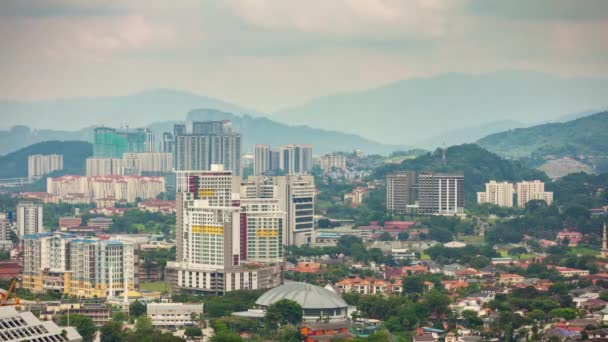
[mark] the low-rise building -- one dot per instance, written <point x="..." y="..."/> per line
<point x="173" y="315"/>
<point x="24" y="326"/>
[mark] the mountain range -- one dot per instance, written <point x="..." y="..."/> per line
<point x="410" y="111"/>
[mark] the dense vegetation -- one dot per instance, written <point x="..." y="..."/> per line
<point x="74" y="154"/>
<point x="587" y="136"/>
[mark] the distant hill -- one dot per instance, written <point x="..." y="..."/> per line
<point x="74" y="153"/>
<point x="479" y="166"/>
<point x="22" y="136"/>
<point x="260" y="130"/>
<point x="584" y="140"/>
<point x="139" y="109"/>
<point x="411" y="111"/>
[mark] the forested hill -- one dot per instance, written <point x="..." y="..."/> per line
<point x="74" y="154"/>
<point x="479" y="166"/>
<point x="584" y="140"/>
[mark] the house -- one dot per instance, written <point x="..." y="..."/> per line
<point x="594" y="304"/>
<point x="598" y="334"/>
<point x="510" y="278"/>
<point x="573" y="237"/>
<point x="306" y="267"/>
<point x="571" y="272"/>
<point x="453" y="285"/>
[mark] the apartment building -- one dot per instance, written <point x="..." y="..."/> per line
<point x="106" y="189"/>
<point x="333" y="161"/>
<point x="39" y="165"/>
<point x="497" y="193"/>
<point x="532" y="190"/>
<point x="82" y="267"/>
<point x="296" y="159"/>
<point x="209" y="143"/>
<point x="29" y="218"/>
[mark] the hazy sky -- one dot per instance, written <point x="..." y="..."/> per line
<point x="266" y="55"/>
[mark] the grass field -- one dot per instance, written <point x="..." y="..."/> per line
<point x="583" y="251"/>
<point x="424" y="256"/>
<point x="473" y="239"/>
<point x="155" y="286"/>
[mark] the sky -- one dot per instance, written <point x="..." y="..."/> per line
<point x="268" y="55"/>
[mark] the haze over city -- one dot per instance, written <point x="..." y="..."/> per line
<point x="300" y="171"/>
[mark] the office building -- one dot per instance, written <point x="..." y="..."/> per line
<point x="210" y="143"/>
<point x="261" y="159"/>
<point x="104" y="167"/>
<point x="296" y="196"/>
<point x="329" y="162"/>
<point x="173" y="315"/>
<point x="24" y="326"/>
<point x="440" y="193"/>
<point x="296" y="159"/>
<point x="400" y="191"/>
<point x="112" y="143"/>
<point x="532" y="190"/>
<point x="39" y="165"/>
<point x="82" y="267"/>
<point x="497" y="193"/>
<point x="168" y="143"/>
<point x="150" y="141"/>
<point x="29" y="218"/>
<point x="211" y="237"/>
<point x="147" y="164"/>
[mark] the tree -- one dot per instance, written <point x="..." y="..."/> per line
<point x="471" y="320"/>
<point x="403" y="236"/>
<point x="285" y="311"/>
<point x="413" y="284"/>
<point x="83" y="324"/>
<point x="226" y="336"/>
<point x="137" y="309"/>
<point x="289" y="334"/>
<point x="193" y="331"/>
<point x="112" y="332"/>
<point x="385" y="236"/>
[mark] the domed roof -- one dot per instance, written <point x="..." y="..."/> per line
<point x="307" y="295"/>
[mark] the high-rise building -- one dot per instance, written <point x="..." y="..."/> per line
<point x="212" y="237"/>
<point x="440" y="193"/>
<point x="400" y="191"/>
<point x="104" y="167"/>
<point x="39" y="165"/>
<point x="29" y="218"/>
<point x="261" y="159"/>
<point x="497" y="193"/>
<point x="296" y="159"/>
<point x="179" y="129"/>
<point x="262" y="224"/>
<point x="83" y="267"/>
<point x="147" y="163"/>
<point x="532" y="190"/>
<point x="210" y="143"/>
<point x="333" y="161"/>
<point x="168" y="143"/>
<point x="150" y="141"/>
<point x="296" y="195"/>
<point x="111" y="143"/>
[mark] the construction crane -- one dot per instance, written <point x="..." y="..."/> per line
<point x="4" y="297"/>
